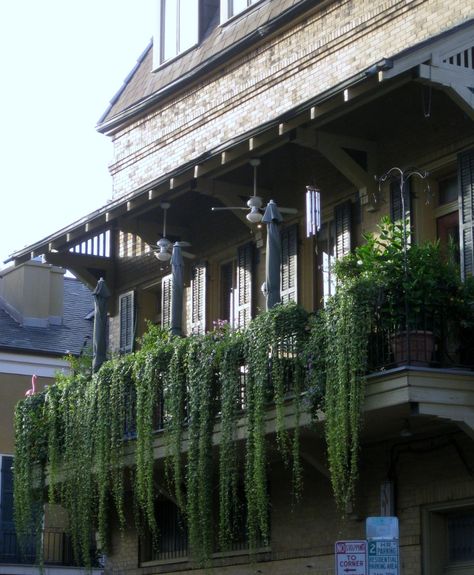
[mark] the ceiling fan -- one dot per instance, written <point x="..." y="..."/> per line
<point x="164" y="246"/>
<point x="254" y="203"/>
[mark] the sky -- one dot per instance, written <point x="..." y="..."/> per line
<point x="61" y="62"/>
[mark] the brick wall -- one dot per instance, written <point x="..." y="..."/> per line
<point x="330" y="46"/>
<point x="427" y="472"/>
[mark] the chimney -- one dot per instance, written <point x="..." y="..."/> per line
<point x="33" y="293"/>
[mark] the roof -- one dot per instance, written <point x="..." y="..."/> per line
<point x="55" y="339"/>
<point x="401" y="65"/>
<point x="220" y="44"/>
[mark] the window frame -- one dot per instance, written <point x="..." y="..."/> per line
<point x="227" y="9"/>
<point x="435" y="538"/>
<point x="159" y="58"/>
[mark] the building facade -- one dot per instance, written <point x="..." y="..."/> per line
<point x="328" y="96"/>
<point x="43" y="318"/>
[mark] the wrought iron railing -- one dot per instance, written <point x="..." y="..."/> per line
<point x="425" y="339"/>
<point x="55" y="545"/>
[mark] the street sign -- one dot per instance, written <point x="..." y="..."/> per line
<point x="351" y="557"/>
<point x="381" y="528"/>
<point x="383" y="557"/>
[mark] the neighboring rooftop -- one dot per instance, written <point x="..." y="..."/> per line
<point x="59" y="340"/>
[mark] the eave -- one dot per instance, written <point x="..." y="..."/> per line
<point x="422" y="63"/>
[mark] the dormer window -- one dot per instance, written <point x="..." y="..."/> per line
<point x="230" y="8"/>
<point x="178" y="28"/>
<point x="181" y="25"/>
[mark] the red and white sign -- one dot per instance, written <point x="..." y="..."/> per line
<point x="351" y="557"/>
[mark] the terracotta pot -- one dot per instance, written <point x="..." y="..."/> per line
<point x="420" y="350"/>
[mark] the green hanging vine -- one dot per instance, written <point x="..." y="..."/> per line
<point x="76" y="430"/>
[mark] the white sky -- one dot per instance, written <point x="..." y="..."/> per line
<point x="61" y="62"/>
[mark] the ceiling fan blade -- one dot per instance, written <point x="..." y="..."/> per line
<point x="188" y="255"/>
<point x="229" y="208"/>
<point x="288" y="210"/>
<point x="182" y="244"/>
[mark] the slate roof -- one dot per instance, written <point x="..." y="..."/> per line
<point x="56" y="339"/>
<point x="224" y="41"/>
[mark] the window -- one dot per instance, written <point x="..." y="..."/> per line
<point x="127" y="322"/>
<point x="166" y="289"/>
<point x="449" y="539"/>
<point x="181" y="24"/>
<point x="198" y="298"/>
<point x="289" y="264"/>
<point x="243" y="297"/>
<point x="230" y="8"/>
<point x="178" y="28"/>
<point x="334" y="242"/>
<point x="173" y="536"/>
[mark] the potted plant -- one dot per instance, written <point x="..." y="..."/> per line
<point x="419" y="297"/>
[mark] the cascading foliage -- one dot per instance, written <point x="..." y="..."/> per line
<point x="91" y="436"/>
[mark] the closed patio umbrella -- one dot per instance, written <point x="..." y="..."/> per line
<point x="177" y="289"/>
<point x="101" y="294"/>
<point x="272" y="219"/>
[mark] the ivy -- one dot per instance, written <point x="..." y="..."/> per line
<point x="76" y="432"/>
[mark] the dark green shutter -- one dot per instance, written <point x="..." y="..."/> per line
<point x="244" y="273"/>
<point x="466" y="211"/>
<point x="166" y="289"/>
<point x="289" y="264"/>
<point x="343" y="228"/>
<point x="127" y="322"/>
<point x="198" y="298"/>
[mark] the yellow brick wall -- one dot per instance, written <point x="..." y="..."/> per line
<point x="427" y="472"/>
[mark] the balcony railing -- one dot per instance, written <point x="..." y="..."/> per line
<point x="423" y="344"/>
<point x="425" y="340"/>
<point x="56" y="548"/>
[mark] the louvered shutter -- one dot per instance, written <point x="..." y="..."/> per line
<point x="396" y="200"/>
<point x="166" y="290"/>
<point x="466" y="211"/>
<point x="198" y="298"/>
<point x="243" y="297"/>
<point x="127" y="322"/>
<point x="289" y="263"/>
<point x="343" y="228"/>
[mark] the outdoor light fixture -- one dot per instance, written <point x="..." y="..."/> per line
<point x="163" y="253"/>
<point x="254" y="216"/>
<point x="313" y="211"/>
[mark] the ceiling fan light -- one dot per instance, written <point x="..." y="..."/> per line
<point x="163" y="256"/>
<point x="254" y="217"/>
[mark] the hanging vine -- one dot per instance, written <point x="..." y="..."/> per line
<point x="345" y="323"/>
<point x="230" y="364"/>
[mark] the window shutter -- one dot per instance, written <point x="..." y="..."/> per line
<point x="396" y="200"/>
<point x="243" y="299"/>
<point x="466" y="211"/>
<point x="198" y="298"/>
<point x="289" y="264"/>
<point x="343" y="228"/>
<point x="127" y="322"/>
<point x="166" y="290"/>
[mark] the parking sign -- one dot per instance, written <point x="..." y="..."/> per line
<point x="351" y="557"/>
